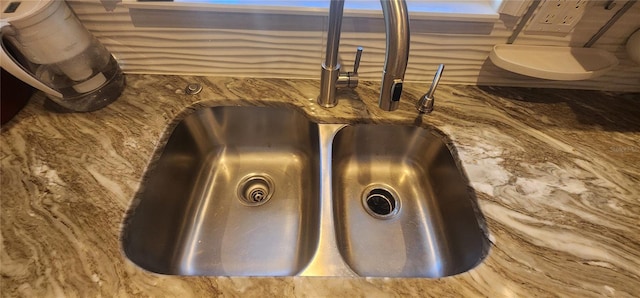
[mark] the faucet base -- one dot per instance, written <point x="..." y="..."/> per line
<point x="328" y="80"/>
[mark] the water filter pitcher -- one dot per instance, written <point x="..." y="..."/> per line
<point x="53" y="52"/>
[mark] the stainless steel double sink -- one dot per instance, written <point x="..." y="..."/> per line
<point x="263" y="191"/>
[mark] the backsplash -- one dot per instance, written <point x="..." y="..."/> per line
<point x="223" y="44"/>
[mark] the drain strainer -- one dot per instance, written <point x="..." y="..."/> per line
<point x="255" y="189"/>
<point x="380" y="201"/>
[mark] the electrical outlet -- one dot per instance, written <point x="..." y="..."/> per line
<point x="557" y="16"/>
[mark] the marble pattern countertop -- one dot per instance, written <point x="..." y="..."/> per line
<point x="556" y="172"/>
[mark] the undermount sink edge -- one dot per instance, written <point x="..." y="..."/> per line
<point x="191" y="215"/>
<point x="430" y="230"/>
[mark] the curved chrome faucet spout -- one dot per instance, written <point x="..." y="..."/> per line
<point x="396" y="23"/>
<point x="396" y="20"/>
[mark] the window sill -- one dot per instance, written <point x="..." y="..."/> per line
<point x="466" y="11"/>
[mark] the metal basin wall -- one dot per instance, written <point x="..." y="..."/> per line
<point x="401" y="206"/>
<point x="235" y="192"/>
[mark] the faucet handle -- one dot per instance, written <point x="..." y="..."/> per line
<point x="350" y="79"/>
<point x="356" y="63"/>
<point x="425" y="104"/>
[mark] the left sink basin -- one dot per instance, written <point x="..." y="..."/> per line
<point x="234" y="192"/>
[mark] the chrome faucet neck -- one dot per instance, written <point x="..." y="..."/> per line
<point x="331" y="68"/>
<point x="396" y="19"/>
<point x="396" y="23"/>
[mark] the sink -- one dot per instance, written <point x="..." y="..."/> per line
<point x="402" y="207"/>
<point x="235" y="192"/>
<point x="263" y="191"/>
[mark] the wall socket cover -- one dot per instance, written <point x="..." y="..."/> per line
<point x="557" y="16"/>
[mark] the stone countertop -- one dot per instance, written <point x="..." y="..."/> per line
<point x="556" y="172"/>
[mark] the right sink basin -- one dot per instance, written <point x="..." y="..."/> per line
<point x="402" y="206"/>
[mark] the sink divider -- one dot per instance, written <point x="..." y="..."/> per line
<point x="327" y="260"/>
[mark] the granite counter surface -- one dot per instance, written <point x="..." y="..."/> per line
<point x="556" y="173"/>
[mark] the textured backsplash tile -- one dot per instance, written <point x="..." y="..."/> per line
<point x="256" y="45"/>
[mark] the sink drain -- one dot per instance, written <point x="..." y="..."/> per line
<point x="255" y="190"/>
<point x="380" y="201"/>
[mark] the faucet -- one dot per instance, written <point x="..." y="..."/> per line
<point x="396" y="22"/>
